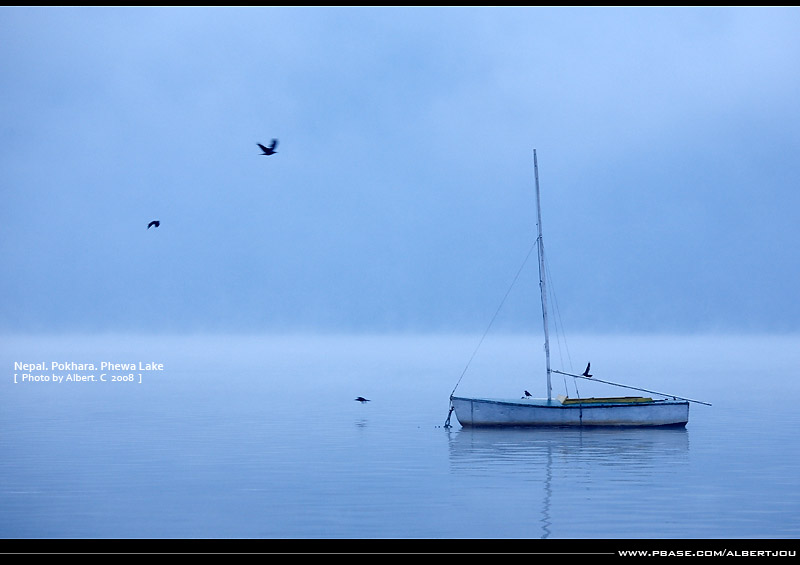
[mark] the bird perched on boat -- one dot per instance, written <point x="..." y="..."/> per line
<point x="269" y="150"/>
<point x="586" y="372"/>
<point x="154" y="223"/>
<point x="362" y="400"/>
<point x="527" y="393"/>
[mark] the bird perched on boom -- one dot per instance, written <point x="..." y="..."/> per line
<point x="154" y="223"/>
<point x="269" y="150"/>
<point x="586" y="372"/>
<point x="527" y="393"/>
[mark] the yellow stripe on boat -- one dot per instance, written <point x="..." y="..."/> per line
<point x="607" y="400"/>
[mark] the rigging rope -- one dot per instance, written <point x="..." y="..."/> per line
<point x="557" y="321"/>
<point x="513" y="282"/>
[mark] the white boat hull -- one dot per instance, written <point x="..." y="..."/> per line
<point x="541" y="412"/>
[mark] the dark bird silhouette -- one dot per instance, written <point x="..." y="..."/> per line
<point x="527" y="393"/>
<point x="269" y="150"/>
<point x="362" y="400"/>
<point x="586" y="372"/>
<point x="155" y="223"/>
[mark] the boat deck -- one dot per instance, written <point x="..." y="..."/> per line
<point x="563" y="401"/>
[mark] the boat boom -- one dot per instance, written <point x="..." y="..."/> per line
<point x="630" y="387"/>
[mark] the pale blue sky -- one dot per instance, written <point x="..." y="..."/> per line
<point x="402" y="195"/>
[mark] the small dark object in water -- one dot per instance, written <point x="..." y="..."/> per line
<point x="269" y="150"/>
<point x="362" y="400"/>
<point x="155" y="223"/>
<point x="586" y="372"/>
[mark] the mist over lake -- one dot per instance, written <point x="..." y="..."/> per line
<point x="260" y="436"/>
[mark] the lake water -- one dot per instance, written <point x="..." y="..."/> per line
<point x="260" y="437"/>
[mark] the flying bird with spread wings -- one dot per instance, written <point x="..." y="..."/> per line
<point x="269" y="150"/>
<point x="153" y="224"/>
<point x="362" y="400"/>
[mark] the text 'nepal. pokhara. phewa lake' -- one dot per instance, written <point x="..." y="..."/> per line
<point x="261" y="437"/>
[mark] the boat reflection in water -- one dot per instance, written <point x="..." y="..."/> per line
<point x="567" y="479"/>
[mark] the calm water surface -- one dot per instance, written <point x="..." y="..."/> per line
<point x="260" y="437"/>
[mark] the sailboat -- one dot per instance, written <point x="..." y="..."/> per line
<point x="624" y="411"/>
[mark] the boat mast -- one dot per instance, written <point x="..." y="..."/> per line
<point x="542" y="284"/>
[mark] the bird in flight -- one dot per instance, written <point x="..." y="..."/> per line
<point x="362" y="400"/>
<point x="269" y="150"/>
<point x="154" y="223"/>
<point x="586" y="372"/>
